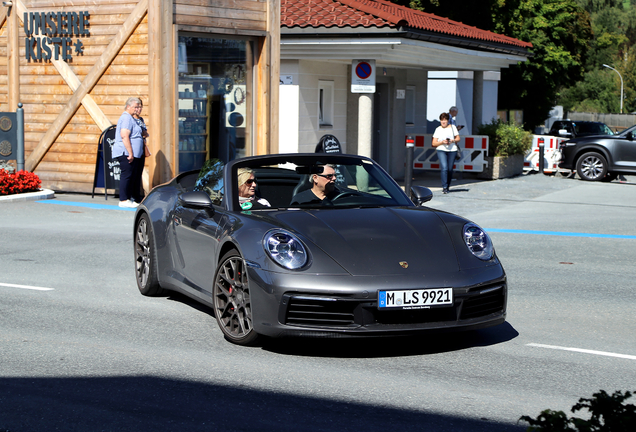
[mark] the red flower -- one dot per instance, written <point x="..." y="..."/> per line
<point x="19" y="182"/>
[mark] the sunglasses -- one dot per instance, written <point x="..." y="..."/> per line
<point x="250" y="181"/>
<point x="327" y="176"/>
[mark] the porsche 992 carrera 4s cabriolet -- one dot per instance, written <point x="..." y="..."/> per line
<point x="315" y="245"/>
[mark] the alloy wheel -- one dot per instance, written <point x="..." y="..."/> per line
<point x="232" y="303"/>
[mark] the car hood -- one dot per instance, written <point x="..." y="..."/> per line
<point x="584" y="138"/>
<point x="377" y="241"/>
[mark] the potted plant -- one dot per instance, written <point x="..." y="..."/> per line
<point x="507" y="145"/>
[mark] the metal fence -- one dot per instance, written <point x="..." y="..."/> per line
<point x="614" y="121"/>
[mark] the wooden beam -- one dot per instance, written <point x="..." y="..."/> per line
<point x="13" y="57"/>
<point x="88" y="102"/>
<point x="87" y="85"/>
<point x="162" y="67"/>
<point x="262" y="97"/>
<point x="3" y="16"/>
<point x="273" y="29"/>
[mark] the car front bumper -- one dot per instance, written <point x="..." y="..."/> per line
<point x="347" y="306"/>
<point x="567" y="157"/>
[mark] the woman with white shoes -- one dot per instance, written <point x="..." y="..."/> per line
<point x="129" y="151"/>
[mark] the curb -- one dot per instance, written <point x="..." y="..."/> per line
<point x="29" y="196"/>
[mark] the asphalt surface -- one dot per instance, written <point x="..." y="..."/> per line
<point x="91" y="354"/>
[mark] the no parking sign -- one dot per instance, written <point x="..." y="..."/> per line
<point x="363" y="76"/>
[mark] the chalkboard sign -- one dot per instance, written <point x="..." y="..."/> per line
<point x="107" y="169"/>
<point x="328" y="144"/>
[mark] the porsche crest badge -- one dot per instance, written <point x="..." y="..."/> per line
<point x="404" y="264"/>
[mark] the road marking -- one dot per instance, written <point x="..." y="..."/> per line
<point x="560" y="233"/>
<point x="585" y="351"/>
<point x="27" y="287"/>
<point x="88" y="205"/>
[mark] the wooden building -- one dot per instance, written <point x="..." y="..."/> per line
<point x="206" y="70"/>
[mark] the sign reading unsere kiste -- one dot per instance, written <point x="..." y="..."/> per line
<point x="49" y="35"/>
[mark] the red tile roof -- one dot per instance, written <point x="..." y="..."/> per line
<point x="379" y="13"/>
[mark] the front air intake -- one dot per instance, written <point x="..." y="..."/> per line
<point x="321" y="312"/>
<point x="483" y="304"/>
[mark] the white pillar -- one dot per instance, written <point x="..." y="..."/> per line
<point x="365" y="124"/>
<point x="365" y="136"/>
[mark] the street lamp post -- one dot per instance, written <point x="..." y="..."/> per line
<point x="619" y="75"/>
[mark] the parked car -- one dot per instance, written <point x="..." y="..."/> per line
<point x="600" y="158"/>
<point x="575" y="129"/>
<point x="366" y="262"/>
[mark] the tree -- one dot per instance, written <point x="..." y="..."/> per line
<point x="608" y="413"/>
<point x="595" y="93"/>
<point x="614" y="29"/>
<point x="559" y="31"/>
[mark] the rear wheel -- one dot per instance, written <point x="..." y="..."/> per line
<point x="146" y="258"/>
<point x="591" y="166"/>
<point x="232" y="301"/>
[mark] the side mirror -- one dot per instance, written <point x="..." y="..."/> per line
<point x="564" y="133"/>
<point x="197" y="200"/>
<point x="420" y="195"/>
<point x="630" y="136"/>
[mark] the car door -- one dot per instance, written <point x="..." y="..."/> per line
<point x="624" y="153"/>
<point x="197" y="239"/>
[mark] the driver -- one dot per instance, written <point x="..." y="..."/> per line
<point x="323" y="189"/>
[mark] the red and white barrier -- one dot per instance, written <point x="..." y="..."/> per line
<point x="473" y="150"/>
<point x="551" y="154"/>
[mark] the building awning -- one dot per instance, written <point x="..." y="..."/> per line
<point x="395" y="36"/>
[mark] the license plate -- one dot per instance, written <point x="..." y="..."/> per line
<point x="415" y="299"/>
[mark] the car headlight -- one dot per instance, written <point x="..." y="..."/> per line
<point x="285" y="249"/>
<point x="478" y="242"/>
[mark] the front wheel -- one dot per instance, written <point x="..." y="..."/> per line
<point x="591" y="166"/>
<point x="232" y="301"/>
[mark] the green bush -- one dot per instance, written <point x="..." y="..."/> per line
<point x="608" y="414"/>
<point x="505" y="139"/>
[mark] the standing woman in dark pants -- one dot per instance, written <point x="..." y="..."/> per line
<point x="129" y="151"/>
<point x="444" y="140"/>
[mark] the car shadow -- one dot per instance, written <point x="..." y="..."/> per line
<point x="182" y="298"/>
<point x="391" y="346"/>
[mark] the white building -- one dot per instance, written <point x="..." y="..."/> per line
<point x="412" y="52"/>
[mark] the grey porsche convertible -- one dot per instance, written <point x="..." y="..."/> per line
<point x="315" y="245"/>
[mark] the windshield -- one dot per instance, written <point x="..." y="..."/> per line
<point x="592" y="129"/>
<point x="626" y="131"/>
<point x="353" y="184"/>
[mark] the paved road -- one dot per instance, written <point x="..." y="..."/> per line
<point x="91" y="354"/>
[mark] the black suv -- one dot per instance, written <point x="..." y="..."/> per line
<point x="601" y="157"/>
<point x="574" y="129"/>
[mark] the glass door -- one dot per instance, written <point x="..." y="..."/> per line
<point x="215" y="99"/>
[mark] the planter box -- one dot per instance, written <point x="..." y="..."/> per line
<point x="502" y="167"/>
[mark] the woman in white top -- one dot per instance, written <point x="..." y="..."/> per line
<point x="444" y="140"/>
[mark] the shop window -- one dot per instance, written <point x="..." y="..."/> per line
<point x="410" y="105"/>
<point x="325" y="103"/>
<point x="215" y="99"/>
